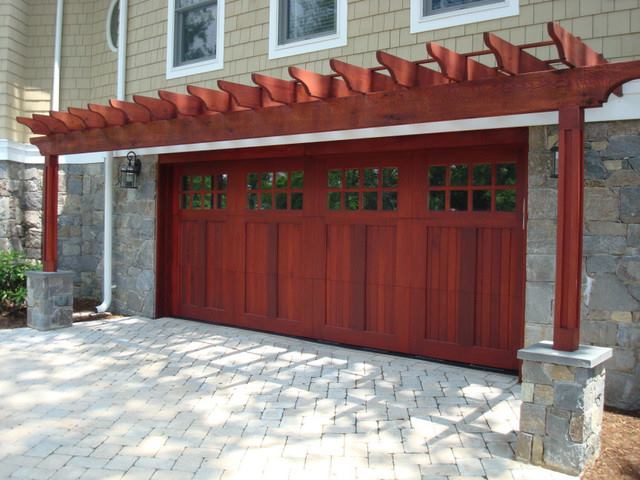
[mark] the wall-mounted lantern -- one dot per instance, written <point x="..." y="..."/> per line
<point x="129" y="171"/>
<point x="555" y="161"/>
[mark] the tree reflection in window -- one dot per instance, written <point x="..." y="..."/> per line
<point x="196" y="29"/>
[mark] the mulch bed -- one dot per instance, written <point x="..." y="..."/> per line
<point x="84" y="309"/>
<point x="620" y="453"/>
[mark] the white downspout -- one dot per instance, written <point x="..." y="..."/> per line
<point x="108" y="164"/>
<point x="57" y="53"/>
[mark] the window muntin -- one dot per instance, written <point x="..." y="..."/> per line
<point x="195" y="37"/>
<point x="369" y="189"/>
<point x="275" y="190"/>
<point x="434" y="7"/>
<point x="483" y="187"/>
<point x="304" y="26"/>
<point x="204" y="192"/>
<point x="304" y="19"/>
<point x="113" y="25"/>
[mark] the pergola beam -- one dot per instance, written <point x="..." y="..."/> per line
<point x="535" y="92"/>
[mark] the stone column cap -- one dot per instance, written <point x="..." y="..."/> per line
<point x="59" y="273"/>
<point x="587" y="356"/>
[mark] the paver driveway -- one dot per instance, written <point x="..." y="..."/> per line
<point x="167" y="398"/>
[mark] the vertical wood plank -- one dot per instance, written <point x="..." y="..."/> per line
<point x="50" y="215"/>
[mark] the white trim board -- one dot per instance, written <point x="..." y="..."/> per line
<point x="24" y="153"/>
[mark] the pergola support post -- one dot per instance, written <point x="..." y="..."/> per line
<point x="50" y="215"/>
<point x="563" y="382"/>
<point x="568" y="288"/>
<point x="50" y="292"/>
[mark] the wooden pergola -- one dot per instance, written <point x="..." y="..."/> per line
<point x="355" y="97"/>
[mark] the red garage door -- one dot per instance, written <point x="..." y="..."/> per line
<point x="418" y="252"/>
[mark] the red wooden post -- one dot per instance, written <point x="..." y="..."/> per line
<point x="50" y="215"/>
<point x="568" y="295"/>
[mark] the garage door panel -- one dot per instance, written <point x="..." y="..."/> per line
<point x="290" y="286"/>
<point x="260" y="269"/>
<point x="215" y="274"/>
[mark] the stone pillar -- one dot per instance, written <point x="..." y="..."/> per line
<point x="562" y="406"/>
<point x="49" y="300"/>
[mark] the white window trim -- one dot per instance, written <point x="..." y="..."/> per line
<point x="112" y="47"/>
<point x="196" y="67"/>
<point x="338" y="39"/>
<point x="481" y="13"/>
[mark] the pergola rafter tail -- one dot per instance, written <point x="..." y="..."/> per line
<point x="466" y="79"/>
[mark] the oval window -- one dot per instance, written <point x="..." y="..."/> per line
<point x="113" y="23"/>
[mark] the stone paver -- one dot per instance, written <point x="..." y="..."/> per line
<point x="152" y="399"/>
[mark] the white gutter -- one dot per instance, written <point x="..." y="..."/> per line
<point x="57" y="51"/>
<point x="107" y="286"/>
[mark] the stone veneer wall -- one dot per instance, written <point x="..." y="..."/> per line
<point x="611" y="310"/>
<point x="134" y="245"/>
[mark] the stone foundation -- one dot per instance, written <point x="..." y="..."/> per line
<point x="562" y="406"/>
<point x="49" y="300"/>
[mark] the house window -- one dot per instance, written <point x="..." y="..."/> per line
<point x="302" y="26"/>
<point x="113" y="24"/>
<point x="195" y="37"/>
<point x="434" y="14"/>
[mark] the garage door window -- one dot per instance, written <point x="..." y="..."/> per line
<point x="275" y="190"/>
<point x="206" y="192"/>
<point x="472" y="187"/>
<point x="370" y="188"/>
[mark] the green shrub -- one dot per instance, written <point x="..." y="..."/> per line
<point x="13" y="279"/>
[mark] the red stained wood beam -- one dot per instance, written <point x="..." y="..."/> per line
<point x="409" y="74"/>
<point x="72" y="122"/>
<point x="35" y="126"/>
<point x="280" y="91"/>
<point x="53" y="124"/>
<point x="568" y="294"/>
<point x="133" y="111"/>
<point x="160" y="109"/>
<point x="50" y="215"/>
<point x="91" y="119"/>
<point x="573" y="51"/>
<point x="187" y="105"/>
<point x="360" y="79"/>
<point x="112" y="116"/>
<point x="512" y="59"/>
<point x="504" y="95"/>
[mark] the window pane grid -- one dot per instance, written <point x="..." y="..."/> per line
<point x="204" y="192"/>
<point x="275" y="190"/>
<point x="367" y="188"/>
<point x="461" y="187"/>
